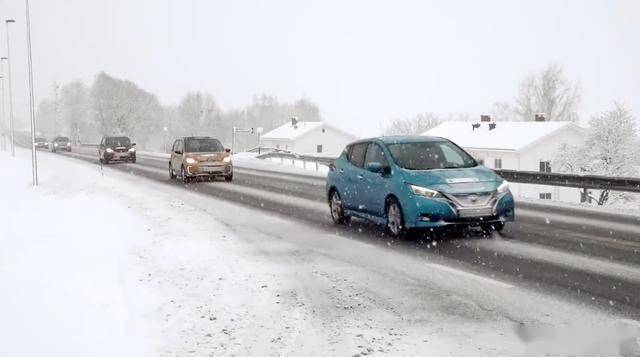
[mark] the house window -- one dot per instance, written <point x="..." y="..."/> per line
<point x="545" y="196"/>
<point x="319" y="149"/>
<point x="545" y="166"/>
<point x="497" y="163"/>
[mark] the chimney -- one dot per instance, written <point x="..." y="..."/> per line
<point x="540" y="117"/>
<point x="485" y="118"/>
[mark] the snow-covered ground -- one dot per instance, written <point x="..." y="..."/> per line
<point x="108" y="264"/>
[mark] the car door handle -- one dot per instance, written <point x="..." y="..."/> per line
<point x="360" y="177"/>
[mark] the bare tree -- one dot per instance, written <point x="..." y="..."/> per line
<point x="415" y="125"/>
<point x="548" y="92"/>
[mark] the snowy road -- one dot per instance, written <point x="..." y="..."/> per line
<point x="119" y="264"/>
<point x="584" y="263"/>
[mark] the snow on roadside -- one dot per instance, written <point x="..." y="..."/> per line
<point x="99" y="267"/>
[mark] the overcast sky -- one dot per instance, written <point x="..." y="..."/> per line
<point x="362" y="62"/>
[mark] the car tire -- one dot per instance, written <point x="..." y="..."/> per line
<point x="183" y="175"/>
<point x="395" y="219"/>
<point x="228" y="178"/>
<point x="133" y="161"/>
<point x="337" y="210"/>
<point x="105" y="161"/>
<point x="172" y="174"/>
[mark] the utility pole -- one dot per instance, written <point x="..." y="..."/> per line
<point x="34" y="156"/>
<point x="2" y="118"/>
<point x="8" y="59"/>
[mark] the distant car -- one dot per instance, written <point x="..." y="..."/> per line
<point x="116" y="148"/>
<point x="61" y="143"/>
<point x="193" y="157"/>
<point x="416" y="182"/>
<point x="41" y="143"/>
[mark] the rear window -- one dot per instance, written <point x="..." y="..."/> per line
<point x="117" y="141"/>
<point x="203" y="145"/>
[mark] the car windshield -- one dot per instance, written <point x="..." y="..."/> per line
<point x="203" y="145"/>
<point x="429" y="155"/>
<point x="62" y="139"/>
<point x="118" y="141"/>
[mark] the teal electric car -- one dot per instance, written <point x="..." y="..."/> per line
<point x="418" y="182"/>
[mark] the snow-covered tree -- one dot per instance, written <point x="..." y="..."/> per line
<point x="415" y="125"/>
<point x="548" y="92"/>
<point x="611" y="148"/>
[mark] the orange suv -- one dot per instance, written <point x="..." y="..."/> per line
<point x="199" y="156"/>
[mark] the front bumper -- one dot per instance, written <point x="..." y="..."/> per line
<point x="120" y="156"/>
<point x="209" y="170"/>
<point x="41" y="146"/>
<point x="422" y="212"/>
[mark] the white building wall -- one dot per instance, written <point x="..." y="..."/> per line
<point x="547" y="151"/>
<point x="333" y="142"/>
<point x="283" y="144"/>
<point x="529" y="160"/>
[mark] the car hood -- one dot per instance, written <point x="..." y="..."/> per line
<point x="467" y="180"/>
<point x="207" y="156"/>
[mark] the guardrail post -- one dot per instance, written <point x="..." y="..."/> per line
<point x="304" y="164"/>
<point x="317" y="168"/>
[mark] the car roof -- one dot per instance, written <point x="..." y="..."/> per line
<point x="198" y="137"/>
<point x="116" y="136"/>
<point x="401" y="139"/>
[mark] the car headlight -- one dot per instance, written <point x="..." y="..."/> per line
<point x="226" y="159"/>
<point x="55" y="144"/>
<point x="504" y="187"/>
<point x="191" y="160"/>
<point x="109" y="150"/>
<point x="132" y="150"/>
<point x="424" y="192"/>
<point x="68" y="144"/>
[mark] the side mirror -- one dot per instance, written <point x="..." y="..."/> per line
<point x="227" y="150"/>
<point x="178" y="152"/>
<point x="374" y="167"/>
<point x="134" y="144"/>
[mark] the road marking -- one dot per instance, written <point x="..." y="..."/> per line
<point x="470" y="275"/>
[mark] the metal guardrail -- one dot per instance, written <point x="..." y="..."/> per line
<point x="624" y="184"/>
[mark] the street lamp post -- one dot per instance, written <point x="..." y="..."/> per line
<point x="34" y="157"/>
<point x="2" y="118"/>
<point x="8" y="59"/>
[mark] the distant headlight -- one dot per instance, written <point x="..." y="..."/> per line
<point x="55" y="144"/>
<point x="504" y="187"/>
<point x="132" y="150"/>
<point x="109" y="150"/>
<point x="191" y="160"/>
<point x="226" y="159"/>
<point x="424" y="192"/>
<point x="69" y="144"/>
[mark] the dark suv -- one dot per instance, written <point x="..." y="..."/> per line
<point x="116" y="148"/>
<point x="61" y="143"/>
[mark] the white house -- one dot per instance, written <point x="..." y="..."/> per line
<point x="317" y="138"/>
<point x="525" y="146"/>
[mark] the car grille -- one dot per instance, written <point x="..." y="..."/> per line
<point x="472" y="199"/>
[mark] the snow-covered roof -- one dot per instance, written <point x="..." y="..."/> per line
<point x="288" y="131"/>
<point x="511" y="136"/>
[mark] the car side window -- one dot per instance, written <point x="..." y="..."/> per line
<point x="375" y="154"/>
<point x="180" y="146"/>
<point x="175" y="146"/>
<point x="357" y="153"/>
